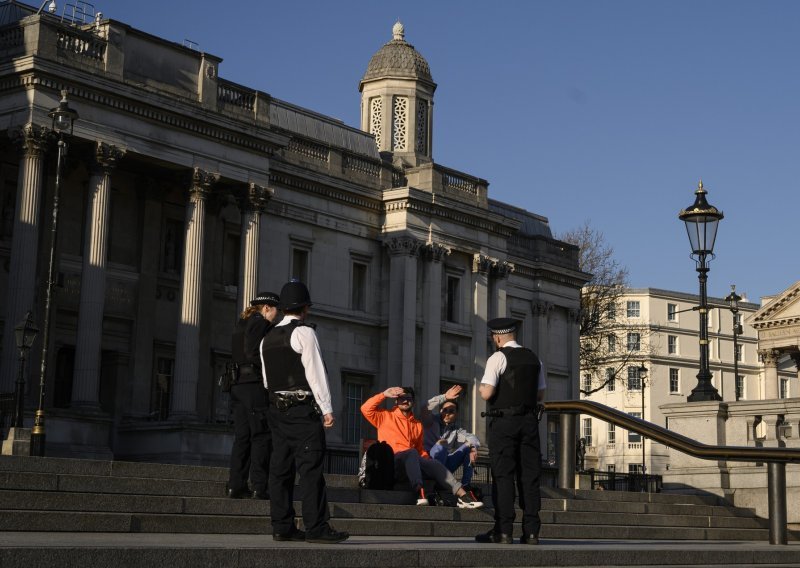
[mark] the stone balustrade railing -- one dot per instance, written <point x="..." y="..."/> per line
<point x="237" y="96"/>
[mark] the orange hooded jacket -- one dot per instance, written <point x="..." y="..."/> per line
<point x="399" y="431"/>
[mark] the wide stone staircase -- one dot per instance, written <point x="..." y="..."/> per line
<point x="46" y="501"/>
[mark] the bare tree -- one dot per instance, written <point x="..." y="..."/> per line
<point x="609" y="341"/>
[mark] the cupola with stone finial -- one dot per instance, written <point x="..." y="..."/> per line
<point x="397" y="100"/>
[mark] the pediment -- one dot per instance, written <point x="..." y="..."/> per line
<point x="783" y="309"/>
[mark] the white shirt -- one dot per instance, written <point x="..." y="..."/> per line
<point x="496" y="366"/>
<point x="304" y="341"/>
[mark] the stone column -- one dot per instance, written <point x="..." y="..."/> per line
<point x="481" y="265"/>
<point x="253" y="202"/>
<point x="573" y="346"/>
<point x="33" y="141"/>
<point x="432" y="326"/>
<point x="402" y="309"/>
<point x="500" y="272"/>
<point x="541" y="311"/>
<point x="88" y="346"/>
<point x="187" y="345"/>
<point x="770" y="359"/>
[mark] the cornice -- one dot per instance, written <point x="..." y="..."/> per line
<point x="286" y="179"/>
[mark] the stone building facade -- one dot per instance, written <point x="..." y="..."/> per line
<point x="185" y="193"/>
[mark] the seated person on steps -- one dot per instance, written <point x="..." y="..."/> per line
<point x="403" y="432"/>
<point x="444" y="440"/>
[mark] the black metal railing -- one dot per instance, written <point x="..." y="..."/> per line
<point x="613" y="481"/>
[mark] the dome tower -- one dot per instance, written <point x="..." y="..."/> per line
<point x="397" y="100"/>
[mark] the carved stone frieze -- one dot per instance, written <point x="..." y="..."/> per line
<point x="403" y="246"/>
<point x="434" y="252"/>
<point x="502" y="269"/>
<point x="32" y="139"/>
<point x="482" y="264"/>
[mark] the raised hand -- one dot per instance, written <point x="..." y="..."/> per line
<point x="453" y="392"/>
<point x="393" y="392"/>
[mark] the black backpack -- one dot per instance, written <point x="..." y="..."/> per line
<point x="377" y="467"/>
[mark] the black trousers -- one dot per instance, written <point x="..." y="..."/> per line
<point x="252" y="439"/>
<point x="298" y="445"/>
<point x="515" y="457"/>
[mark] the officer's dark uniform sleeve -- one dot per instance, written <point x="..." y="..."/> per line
<point x="257" y="327"/>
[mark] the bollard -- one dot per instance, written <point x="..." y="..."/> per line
<point x="566" y="450"/>
<point x="776" y="489"/>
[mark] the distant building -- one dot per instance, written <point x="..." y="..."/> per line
<point x="669" y="350"/>
<point x="184" y="194"/>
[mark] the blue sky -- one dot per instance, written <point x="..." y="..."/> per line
<point x="576" y="110"/>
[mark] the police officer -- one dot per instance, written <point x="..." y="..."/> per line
<point x="252" y="442"/>
<point x="513" y="384"/>
<point x="300" y="408"/>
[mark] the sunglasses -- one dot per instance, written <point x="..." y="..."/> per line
<point x="404" y="399"/>
<point x="448" y="411"/>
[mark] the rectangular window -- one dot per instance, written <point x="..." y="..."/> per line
<point x="587" y="431"/>
<point x="612" y="343"/>
<point x="632" y="310"/>
<point x="62" y="383"/>
<point x="354" y="386"/>
<point x="634" y="341"/>
<point x="784" y="390"/>
<point x="672" y="344"/>
<point x="611" y="436"/>
<point x="612" y="312"/>
<point x="299" y="265"/>
<point x="634" y="437"/>
<point x="230" y="260"/>
<point x="739" y="387"/>
<point x="172" y="247"/>
<point x="451" y="301"/>
<point x="635" y="468"/>
<point x="672" y="312"/>
<point x="358" y="298"/>
<point x="586" y="383"/>
<point x="611" y="380"/>
<point x="674" y="381"/>
<point x="611" y="467"/>
<point x="634" y="379"/>
<point x="739" y="352"/>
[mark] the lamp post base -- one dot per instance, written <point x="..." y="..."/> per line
<point x="38" y="435"/>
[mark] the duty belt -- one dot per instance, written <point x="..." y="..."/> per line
<point x="521" y="410"/>
<point x="284" y="400"/>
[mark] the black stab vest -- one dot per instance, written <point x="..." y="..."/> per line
<point x="282" y="364"/>
<point x="519" y="383"/>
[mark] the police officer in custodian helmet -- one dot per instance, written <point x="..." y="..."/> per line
<point x="300" y="408"/>
<point x="513" y="384"/>
<point x="252" y="441"/>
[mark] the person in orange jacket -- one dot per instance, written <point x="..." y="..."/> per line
<point x="403" y="432"/>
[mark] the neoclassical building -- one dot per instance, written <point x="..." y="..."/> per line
<point x="184" y="194"/>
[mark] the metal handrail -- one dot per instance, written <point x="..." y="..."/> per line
<point x="775" y="458"/>
<point x="671" y="439"/>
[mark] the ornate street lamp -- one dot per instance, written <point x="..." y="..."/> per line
<point x="642" y="376"/>
<point x="63" y="121"/>
<point x="25" y="334"/>
<point x="702" y="220"/>
<point x="733" y="300"/>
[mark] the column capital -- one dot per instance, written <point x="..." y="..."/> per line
<point x="407" y="245"/>
<point x="106" y="157"/>
<point x="435" y="252"/>
<point x="796" y="359"/>
<point x="201" y="183"/>
<point x="32" y="139"/>
<point x="502" y="269"/>
<point x="254" y="197"/>
<point x="769" y="356"/>
<point x="540" y="307"/>
<point x="482" y="264"/>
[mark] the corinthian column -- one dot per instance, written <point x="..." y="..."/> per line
<point x="33" y="141"/>
<point x="85" y="386"/>
<point x="253" y="202"/>
<point x="479" y="299"/>
<point x="187" y="345"/>
<point x="432" y="326"/>
<point x="402" y="309"/>
<point x="499" y="305"/>
<point x="770" y="359"/>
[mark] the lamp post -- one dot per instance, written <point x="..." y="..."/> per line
<point x="63" y="120"/>
<point x="25" y="334"/>
<point x="733" y="300"/>
<point x="702" y="220"/>
<point x="642" y="376"/>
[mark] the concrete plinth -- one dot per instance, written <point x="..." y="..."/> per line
<point x="18" y="442"/>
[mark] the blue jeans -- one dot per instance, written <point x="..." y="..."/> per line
<point x="460" y="457"/>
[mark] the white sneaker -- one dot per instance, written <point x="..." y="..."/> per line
<point x="467" y="502"/>
<point x="422" y="501"/>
